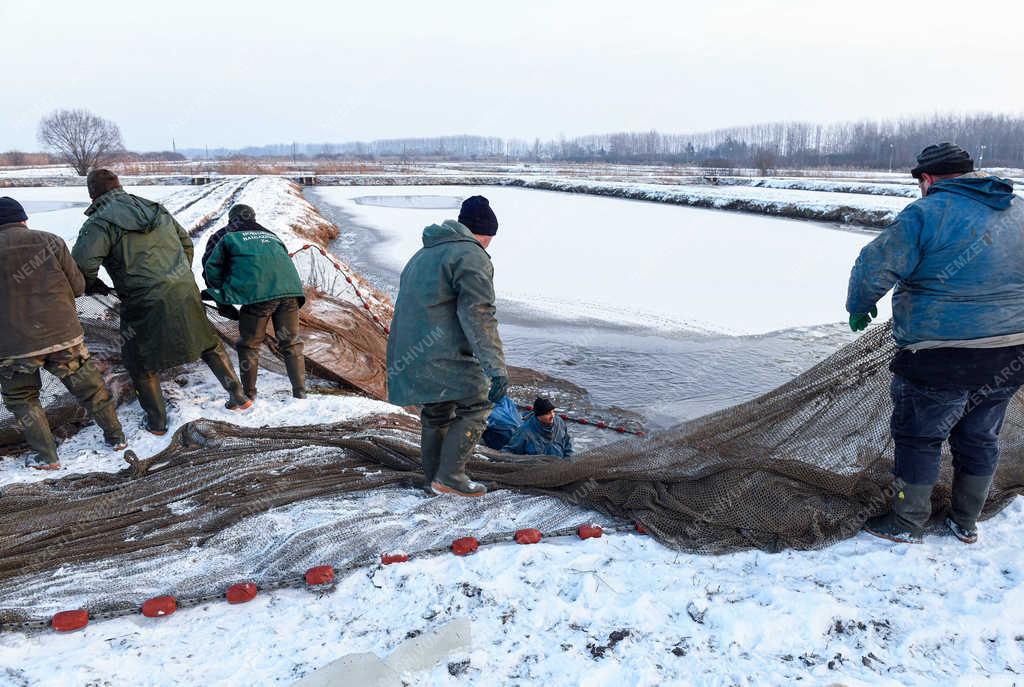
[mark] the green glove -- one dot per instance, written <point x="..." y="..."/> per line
<point x="860" y="322"/>
<point x="499" y="387"/>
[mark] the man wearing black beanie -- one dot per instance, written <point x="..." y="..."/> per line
<point x="444" y="352"/>
<point x="956" y="259"/>
<point x="543" y="433"/>
<point x="39" y="329"/>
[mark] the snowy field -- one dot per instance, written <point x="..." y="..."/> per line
<point x="621" y="610"/>
<point x="635" y="263"/>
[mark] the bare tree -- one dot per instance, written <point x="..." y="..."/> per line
<point x="82" y="139"/>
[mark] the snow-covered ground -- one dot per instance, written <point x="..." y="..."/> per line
<point x="620" y="610"/>
<point x="634" y="263"/>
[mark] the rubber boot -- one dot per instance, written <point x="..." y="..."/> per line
<point x="969" y="495"/>
<point x="459" y="443"/>
<point x="151" y="398"/>
<point x="217" y="360"/>
<point x="296" y="366"/>
<point x="911" y="509"/>
<point x="36" y="430"/>
<point x="248" y="369"/>
<point x="86" y="384"/>
<point x="431" y="441"/>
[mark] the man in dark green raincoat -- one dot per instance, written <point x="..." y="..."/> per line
<point x="149" y="256"/>
<point x="444" y="352"/>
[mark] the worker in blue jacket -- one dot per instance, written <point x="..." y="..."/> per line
<point x="956" y="259"/>
<point x="543" y="433"/>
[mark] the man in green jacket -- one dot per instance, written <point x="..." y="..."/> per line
<point x="444" y="352"/>
<point x="250" y="266"/>
<point x="39" y="329"/>
<point x="149" y="256"/>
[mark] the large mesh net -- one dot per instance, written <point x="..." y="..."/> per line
<point x="800" y="467"/>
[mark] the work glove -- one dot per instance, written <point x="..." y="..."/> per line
<point x="98" y="288"/>
<point x="499" y="387"/>
<point x="859" y="322"/>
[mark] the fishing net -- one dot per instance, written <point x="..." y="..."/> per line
<point x="800" y="467"/>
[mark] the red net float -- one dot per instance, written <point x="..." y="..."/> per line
<point x="241" y="593"/>
<point x="396" y="557"/>
<point x="583" y="421"/>
<point x="528" y="536"/>
<point x="69" y="621"/>
<point x="601" y="425"/>
<point x="564" y="416"/>
<point x="639" y="434"/>
<point x="321" y="574"/>
<point x="589" y="531"/>
<point x="159" y="606"/>
<point x="465" y="546"/>
<point x="640" y="529"/>
<point x="366" y="305"/>
<point x="620" y="430"/>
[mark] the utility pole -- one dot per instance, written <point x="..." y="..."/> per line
<point x="892" y="156"/>
<point x="174" y="147"/>
<point x="981" y="155"/>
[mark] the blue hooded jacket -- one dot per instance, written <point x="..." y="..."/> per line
<point x="536" y="439"/>
<point x="956" y="258"/>
<point x="502" y="424"/>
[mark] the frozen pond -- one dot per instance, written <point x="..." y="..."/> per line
<point x="637" y="264"/>
<point x="668" y="311"/>
<point x="59" y="209"/>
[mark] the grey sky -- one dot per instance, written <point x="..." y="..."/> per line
<point x="228" y="73"/>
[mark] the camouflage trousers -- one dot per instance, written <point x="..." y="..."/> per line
<point x="20" y="384"/>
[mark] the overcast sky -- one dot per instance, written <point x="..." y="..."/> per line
<point x="227" y="73"/>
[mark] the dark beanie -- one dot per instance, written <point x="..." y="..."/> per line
<point x="542" y="406"/>
<point x="100" y="181"/>
<point x="11" y="211"/>
<point x="944" y="158"/>
<point x="477" y="216"/>
<point x="241" y="212"/>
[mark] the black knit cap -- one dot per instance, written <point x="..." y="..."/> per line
<point x="11" y="211"/>
<point x="241" y="212"/>
<point x="542" y="406"/>
<point x="477" y="216"/>
<point x="944" y="158"/>
<point x="101" y="181"/>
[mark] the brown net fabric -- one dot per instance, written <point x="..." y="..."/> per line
<point x="800" y="467"/>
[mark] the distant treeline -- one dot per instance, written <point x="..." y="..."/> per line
<point x="993" y="139"/>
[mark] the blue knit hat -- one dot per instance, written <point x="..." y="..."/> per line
<point x="11" y="211"/>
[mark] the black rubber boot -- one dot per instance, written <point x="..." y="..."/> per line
<point x="969" y="495"/>
<point x="248" y="368"/>
<point x="295" y="363"/>
<point x="458" y="445"/>
<point x="911" y="509"/>
<point x="151" y="398"/>
<point x="217" y="360"/>
<point x="431" y="440"/>
<point x="36" y="430"/>
<point x="86" y="384"/>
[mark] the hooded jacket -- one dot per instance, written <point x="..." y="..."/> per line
<point x="444" y="343"/>
<point x="39" y="283"/>
<point x="250" y="264"/>
<point x="148" y="256"/>
<point x="956" y="258"/>
<point x="535" y="438"/>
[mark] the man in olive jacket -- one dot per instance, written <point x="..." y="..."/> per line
<point x="250" y="266"/>
<point x="444" y="352"/>
<point x="149" y="256"/>
<point x="39" y="329"/>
